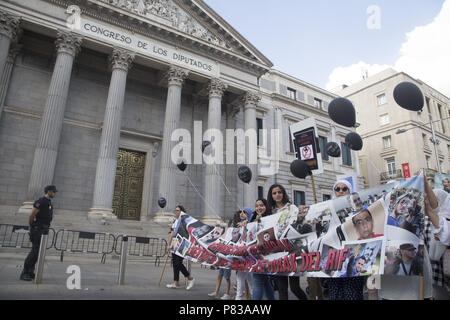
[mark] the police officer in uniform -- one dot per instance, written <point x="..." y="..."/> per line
<point x="39" y="221"/>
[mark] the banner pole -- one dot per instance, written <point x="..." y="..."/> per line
<point x="164" y="268"/>
<point x="314" y="189"/>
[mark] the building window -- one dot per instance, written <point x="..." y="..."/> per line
<point x="259" y="126"/>
<point x="322" y="145"/>
<point x="381" y="99"/>
<point x="390" y="163"/>
<point x="326" y="197"/>
<point x="384" y="119"/>
<point x="299" y="198"/>
<point x="292" y="93"/>
<point x="317" y="103"/>
<point x="425" y="141"/>
<point x="440" y="116"/>
<point x="427" y="101"/>
<point x="346" y="154"/>
<point x="291" y="142"/>
<point x="427" y="160"/>
<point x="387" y="142"/>
<point x="260" y="192"/>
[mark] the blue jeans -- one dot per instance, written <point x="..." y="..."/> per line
<point x="261" y="286"/>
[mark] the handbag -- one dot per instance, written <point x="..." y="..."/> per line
<point x="446" y="262"/>
<point x="437" y="249"/>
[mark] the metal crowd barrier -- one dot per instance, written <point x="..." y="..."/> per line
<point x="144" y="247"/>
<point x="84" y="242"/>
<point x="15" y="236"/>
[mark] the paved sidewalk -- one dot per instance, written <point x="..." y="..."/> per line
<point x="99" y="281"/>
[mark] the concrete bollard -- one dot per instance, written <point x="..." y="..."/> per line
<point x="123" y="260"/>
<point x="41" y="258"/>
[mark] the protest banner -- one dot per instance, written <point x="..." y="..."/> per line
<point x="362" y="234"/>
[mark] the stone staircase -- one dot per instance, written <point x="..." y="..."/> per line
<point x="77" y="220"/>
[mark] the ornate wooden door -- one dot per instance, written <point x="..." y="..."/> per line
<point x="128" y="185"/>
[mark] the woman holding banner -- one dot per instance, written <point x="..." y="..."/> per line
<point x="177" y="261"/>
<point x="261" y="282"/>
<point x="278" y="201"/>
<point x="344" y="288"/>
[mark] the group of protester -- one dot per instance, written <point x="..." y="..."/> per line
<point x="436" y="242"/>
<point x="256" y="286"/>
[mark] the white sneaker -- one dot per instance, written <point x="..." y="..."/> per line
<point x="172" y="286"/>
<point x="225" y="297"/>
<point x="190" y="284"/>
<point x="213" y="294"/>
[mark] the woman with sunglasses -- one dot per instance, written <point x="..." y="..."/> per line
<point x="345" y="288"/>
<point x="277" y="201"/>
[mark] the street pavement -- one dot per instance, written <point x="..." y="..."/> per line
<point x="99" y="281"/>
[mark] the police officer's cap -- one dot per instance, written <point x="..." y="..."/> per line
<point x="50" y="188"/>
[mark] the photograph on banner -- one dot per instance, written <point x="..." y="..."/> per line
<point x="217" y="232"/>
<point x="318" y="219"/>
<point x="286" y="218"/>
<point x="175" y="243"/>
<point x="183" y="246"/>
<point x="403" y="254"/>
<point x="406" y="208"/>
<point x="363" y="258"/>
<point x="367" y="223"/>
<point x="442" y="181"/>
<point x="252" y="230"/>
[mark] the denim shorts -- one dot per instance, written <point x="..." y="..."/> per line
<point x="226" y="273"/>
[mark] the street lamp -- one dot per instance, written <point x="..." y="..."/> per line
<point x="432" y="139"/>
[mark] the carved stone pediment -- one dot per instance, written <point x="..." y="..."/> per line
<point x="169" y="13"/>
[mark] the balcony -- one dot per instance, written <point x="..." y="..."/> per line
<point x="391" y="175"/>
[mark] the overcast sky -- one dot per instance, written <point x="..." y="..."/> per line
<point x="329" y="43"/>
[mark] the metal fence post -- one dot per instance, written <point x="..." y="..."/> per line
<point x="41" y="257"/>
<point x="123" y="260"/>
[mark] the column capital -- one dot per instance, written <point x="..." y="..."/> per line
<point x="176" y="75"/>
<point x="9" y="24"/>
<point x="121" y="59"/>
<point x="14" y="51"/>
<point x="68" y="42"/>
<point x="251" y="99"/>
<point x="216" y="88"/>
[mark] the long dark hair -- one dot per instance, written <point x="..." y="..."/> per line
<point x="270" y="202"/>
<point x="181" y="208"/>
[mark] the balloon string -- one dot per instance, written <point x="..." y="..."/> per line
<point x="198" y="192"/>
<point x="220" y="177"/>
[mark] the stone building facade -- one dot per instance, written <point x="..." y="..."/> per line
<point x="92" y="92"/>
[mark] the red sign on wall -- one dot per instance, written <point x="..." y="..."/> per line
<point x="405" y="169"/>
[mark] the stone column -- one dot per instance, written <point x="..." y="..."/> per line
<point x="120" y="62"/>
<point x="168" y="169"/>
<point x="6" y="75"/>
<point x="9" y="26"/>
<point x="251" y="99"/>
<point x="212" y="207"/>
<point x="44" y="162"/>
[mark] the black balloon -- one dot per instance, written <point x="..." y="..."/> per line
<point x="300" y="169"/>
<point x="333" y="149"/>
<point x="245" y="174"/>
<point x="162" y="202"/>
<point x="341" y="111"/>
<point x="205" y="144"/>
<point x="182" y="166"/>
<point x="408" y="96"/>
<point x="354" y="141"/>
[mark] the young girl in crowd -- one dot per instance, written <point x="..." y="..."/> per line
<point x="277" y="201"/>
<point x="261" y="281"/>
